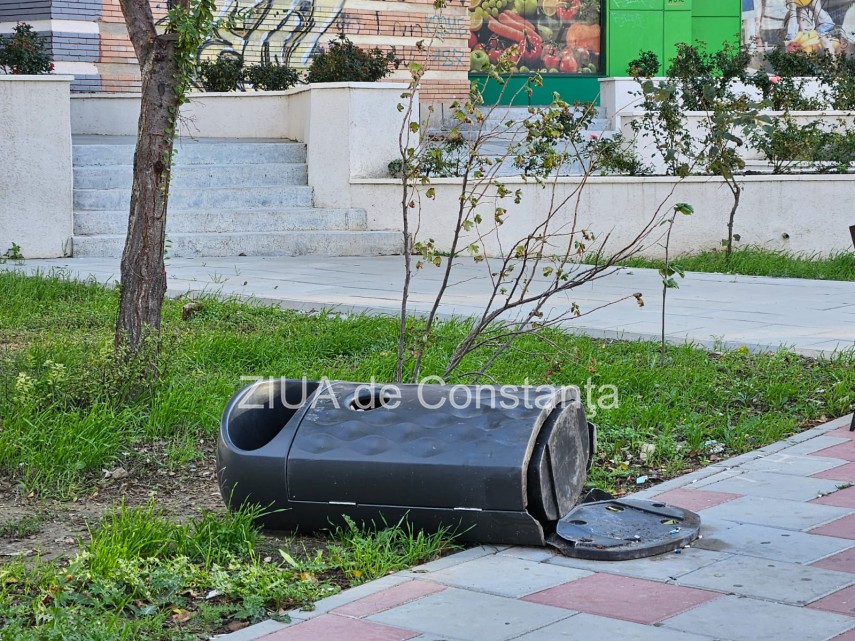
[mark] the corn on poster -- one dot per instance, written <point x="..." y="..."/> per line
<point x="811" y="26"/>
<point x="547" y="36"/>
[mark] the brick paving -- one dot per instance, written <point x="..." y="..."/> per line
<point x="776" y="563"/>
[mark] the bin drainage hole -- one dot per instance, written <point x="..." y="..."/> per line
<point x="658" y="505"/>
<point x="578" y="522"/>
<point x="668" y="521"/>
<point x="369" y="400"/>
<point x="614" y="508"/>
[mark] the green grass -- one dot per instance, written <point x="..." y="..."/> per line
<point x="145" y="576"/>
<point x="754" y="261"/>
<point x="66" y="412"/>
<point x="365" y="554"/>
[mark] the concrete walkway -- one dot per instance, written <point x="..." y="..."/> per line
<point x="809" y="317"/>
<point x="776" y="563"/>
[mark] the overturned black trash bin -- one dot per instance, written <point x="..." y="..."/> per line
<point x="495" y="464"/>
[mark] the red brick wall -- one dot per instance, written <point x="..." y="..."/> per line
<point x="395" y="25"/>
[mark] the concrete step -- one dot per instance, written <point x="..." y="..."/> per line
<point x="213" y="198"/>
<point x="195" y="153"/>
<point x="292" y="243"/>
<point x="197" y="176"/>
<point x="91" y="223"/>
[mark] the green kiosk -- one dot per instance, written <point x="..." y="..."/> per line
<point x="574" y="43"/>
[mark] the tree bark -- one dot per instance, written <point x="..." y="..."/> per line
<point x="143" y="271"/>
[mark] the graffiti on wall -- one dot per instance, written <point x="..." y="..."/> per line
<point x="267" y="31"/>
<point x="811" y="26"/>
<point x="290" y="31"/>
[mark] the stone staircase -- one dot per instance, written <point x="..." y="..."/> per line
<point x="503" y="136"/>
<point x="228" y="198"/>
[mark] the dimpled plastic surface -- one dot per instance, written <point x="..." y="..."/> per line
<point x="472" y="457"/>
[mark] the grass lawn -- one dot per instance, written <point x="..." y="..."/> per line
<point x="68" y="412"/>
<point x="754" y="261"/>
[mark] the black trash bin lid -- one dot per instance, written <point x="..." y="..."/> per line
<point x="623" y="529"/>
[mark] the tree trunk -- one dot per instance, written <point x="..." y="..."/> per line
<point x="143" y="271"/>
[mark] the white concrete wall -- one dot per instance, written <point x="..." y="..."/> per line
<point x="36" y="180"/>
<point x="810" y="213"/>
<point x="206" y="115"/>
<point x="353" y="133"/>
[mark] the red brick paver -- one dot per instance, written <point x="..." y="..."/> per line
<point x="330" y="627"/>
<point x="387" y="599"/>
<point x="843" y="528"/>
<point x="842" y="561"/>
<point x="842" y="602"/>
<point x="620" y="597"/>
<point x="845" y="451"/>
<point x="695" y="499"/>
<point x="840" y="498"/>
<point x="844" y="473"/>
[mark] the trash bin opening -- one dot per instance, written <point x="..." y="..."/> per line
<point x="369" y="400"/>
<point x="266" y="407"/>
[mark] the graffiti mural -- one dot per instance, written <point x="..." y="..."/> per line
<point x="267" y="31"/>
<point x="800" y="25"/>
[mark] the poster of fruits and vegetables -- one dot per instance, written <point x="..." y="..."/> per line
<point x="545" y="36"/>
<point x="810" y="26"/>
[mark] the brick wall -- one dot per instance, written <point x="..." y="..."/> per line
<point x="102" y="58"/>
<point x="17" y="10"/>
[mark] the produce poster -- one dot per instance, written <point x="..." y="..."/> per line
<point x="549" y="36"/>
<point x="812" y="26"/>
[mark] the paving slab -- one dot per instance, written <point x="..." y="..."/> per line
<point x="695" y="500"/>
<point x="736" y="618"/>
<point x="787" y="462"/>
<point x="471" y="616"/>
<point x="623" y="597"/>
<point x="506" y="576"/>
<point x="331" y="627"/>
<point x="775" y="486"/>
<point x="841" y="498"/>
<point x="841" y="562"/>
<point x="765" y="579"/>
<point x="843" y="527"/>
<point x="788" y="515"/>
<point x="774" y="544"/>
<point x="664" y="567"/>
<point x="842" y="601"/>
<point x="589" y="626"/>
<point x="842" y="474"/>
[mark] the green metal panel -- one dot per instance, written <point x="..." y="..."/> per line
<point x="678" y="28"/>
<point x="678" y="5"/>
<point x="714" y="31"/>
<point x="717" y="8"/>
<point x="630" y="32"/>
<point x="571" y="89"/>
<point x="636" y="5"/>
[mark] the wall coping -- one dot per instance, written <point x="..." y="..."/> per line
<point x="10" y="77"/>
<point x="373" y="86"/>
<point x="624" y="180"/>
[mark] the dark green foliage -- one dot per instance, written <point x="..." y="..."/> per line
<point x="343" y="61"/>
<point x="223" y="74"/>
<point x="704" y="77"/>
<point x="269" y="76"/>
<point x="618" y="156"/>
<point x="24" y="52"/>
<point x="645" y="66"/>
